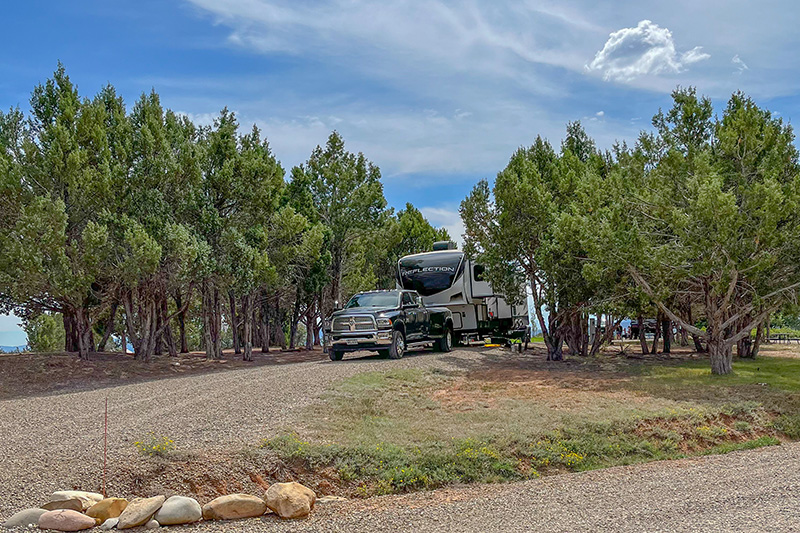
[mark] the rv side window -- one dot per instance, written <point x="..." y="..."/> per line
<point x="477" y="272"/>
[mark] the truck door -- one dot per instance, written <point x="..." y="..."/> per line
<point x="423" y="318"/>
<point x="411" y="310"/>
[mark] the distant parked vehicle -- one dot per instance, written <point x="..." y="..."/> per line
<point x="389" y="322"/>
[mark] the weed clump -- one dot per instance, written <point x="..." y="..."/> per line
<point x="155" y="445"/>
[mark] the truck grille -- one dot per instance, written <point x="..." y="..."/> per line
<point x="354" y="323"/>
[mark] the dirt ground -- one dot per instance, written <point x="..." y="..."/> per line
<point x="37" y="374"/>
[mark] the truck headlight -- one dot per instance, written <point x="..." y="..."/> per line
<point x="326" y="324"/>
<point x="384" y="322"/>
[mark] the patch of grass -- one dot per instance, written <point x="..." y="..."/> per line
<point x="766" y="440"/>
<point x="781" y="373"/>
<point x="788" y="424"/>
<point x="385" y="468"/>
<point x="405" y="430"/>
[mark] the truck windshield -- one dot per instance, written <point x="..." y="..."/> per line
<point x="374" y="299"/>
<point x="430" y="273"/>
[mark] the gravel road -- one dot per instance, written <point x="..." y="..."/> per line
<point x="55" y="442"/>
<point x="752" y="491"/>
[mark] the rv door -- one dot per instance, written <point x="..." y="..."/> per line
<point x="480" y="286"/>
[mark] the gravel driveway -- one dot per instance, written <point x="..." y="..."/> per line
<point x="752" y="491"/>
<point x="55" y="442"/>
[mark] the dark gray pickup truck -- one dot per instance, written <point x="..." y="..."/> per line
<point x="389" y="322"/>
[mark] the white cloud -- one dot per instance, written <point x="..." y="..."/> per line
<point x="647" y="49"/>
<point x="200" y="119"/>
<point x="741" y="66"/>
<point x="448" y="218"/>
<point x="600" y="114"/>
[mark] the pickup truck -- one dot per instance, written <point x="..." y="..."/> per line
<point x="389" y="322"/>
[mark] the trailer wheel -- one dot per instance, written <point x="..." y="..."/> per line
<point x="398" y="348"/>
<point x="445" y="344"/>
<point x="335" y="355"/>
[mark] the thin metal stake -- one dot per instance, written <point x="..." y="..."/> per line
<point x="105" y="450"/>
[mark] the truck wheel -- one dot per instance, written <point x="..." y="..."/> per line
<point x="398" y="348"/>
<point x="335" y="355"/>
<point x="445" y="344"/>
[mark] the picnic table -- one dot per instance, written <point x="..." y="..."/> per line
<point x="783" y="338"/>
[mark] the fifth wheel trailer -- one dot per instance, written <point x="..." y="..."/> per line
<point x="445" y="277"/>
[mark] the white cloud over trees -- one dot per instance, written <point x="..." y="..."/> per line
<point x="647" y="49"/>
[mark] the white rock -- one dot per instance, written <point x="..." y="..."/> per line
<point x="111" y="523"/>
<point x="179" y="510"/>
<point x="152" y="524"/>
<point x="25" y="518"/>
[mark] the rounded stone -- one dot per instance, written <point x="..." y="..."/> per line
<point x="233" y="506"/>
<point x="139" y="511"/>
<point x="25" y="518"/>
<point x="65" y="520"/>
<point x="108" y="508"/>
<point x="290" y="500"/>
<point x="72" y="503"/>
<point x="179" y="510"/>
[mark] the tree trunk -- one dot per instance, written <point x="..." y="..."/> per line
<point x="767" y="326"/>
<point x="83" y="328"/>
<point x="181" y="322"/>
<point x="70" y="330"/>
<point x="166" y="334"/>
<point x="310" y="323"/>
<point x="158" y="341"/>
<point x="599" y="340"/>
<point x="642" y="339"/>
<point x="656" y="334"/>
<point x="109" y="327"/>
<point x="217" y="324"/>
<point x="247" y="316"/>
<point x="759" y="339"/>
<point x="721" y="357"/>
<point x="264" y="323"/>
<point x="124" y="336"/>
<point x="212" y="322"/>
<point x="234" y="324"/>
<point x="684" y="337"/>
<point x="584" y="325"/>
<point x="698" y="344"/>
<point x="295" y="320"/>
<point x="280" y="336"/>
<point x="666" y="333"/>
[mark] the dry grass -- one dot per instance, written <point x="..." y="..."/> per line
<point x="512" y="417"/>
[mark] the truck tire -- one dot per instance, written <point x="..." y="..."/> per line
<point x="398" y="347"/>
<point x="445" y="344"/>
<point x="335" y="355"/>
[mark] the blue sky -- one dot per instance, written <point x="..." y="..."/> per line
<point x="437" y="93"/>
